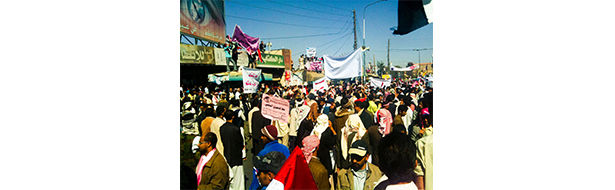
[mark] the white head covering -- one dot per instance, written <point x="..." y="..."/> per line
<point x="353" y="124"/>
<point x="322" y="123"/>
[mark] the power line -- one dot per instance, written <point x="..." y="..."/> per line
<point x="305" y="8"/>
<point x="329" y="42"/>
<point x="274" y="22"/>
<point x="315" y="2"/>
<point x="340" y="47"/>
<point x="305" y="16"/>
<point x="313" y="35"/>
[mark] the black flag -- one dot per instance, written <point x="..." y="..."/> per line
<point x="410" y="16"/>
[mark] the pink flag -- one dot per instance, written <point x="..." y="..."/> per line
<point x="248" y="42"/>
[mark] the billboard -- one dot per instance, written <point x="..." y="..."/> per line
<point x="272" y="61"/>
<point x="203" y="19"/>
<point x="196" y="54"/>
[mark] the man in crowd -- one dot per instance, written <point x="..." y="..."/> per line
<point x="268" y="166"/>
<point x="400" y="118"/>
<point x="269" y="138"/>
<point x="397" y="158"/>
<point x="360" y="108"/>
<point x="318" y="170"/>
<point x="424" y="155"/>
<point x="297" y="115"/>
<point x="216" y="124"/>
<point x="361" y="175"/>
<point x="212" y="170"/>
<point x="233" y="141"/>
<point x="257" y="122"/>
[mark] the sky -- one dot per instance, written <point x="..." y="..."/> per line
<point x="328" y="27"/>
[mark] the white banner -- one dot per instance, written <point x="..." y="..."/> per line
<point x="405" y="69"/>
<point x="251" y="78"/>
<point x="379" y="83"/>
<point x="320" y="84"/>
<point x="343" y="67"/>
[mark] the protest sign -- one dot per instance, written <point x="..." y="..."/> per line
<point x="275" y="108"/>
<point x="321" y="84"/>
<point x="379" y="83"/>
<point x="251" y="78"/>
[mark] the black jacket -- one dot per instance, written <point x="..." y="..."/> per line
<point x="233" y="144"/>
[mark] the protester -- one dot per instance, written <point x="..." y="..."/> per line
<point x="212" y="170"/>
<point x="360" y="108"/>
<point x="307" y="125"/>
<point x="209" y="118"/>
<point x="401" y="119"/>
<point x="361" y="175"/>
<point x="352" y="131"/>
<point x="269" y="138"/>
<point x="341" y="115"/>
<point x="375" y="133"/>
<point x="268" y="166"/>
<point x="397" y="161"/>
<point x="424" y="155"/>
<point x="216" y="124"/>
<point x="297" y="115"/>
<point x="233" y="142"/>
<point x="318" y="170"/>
<point x="257" y="123"/>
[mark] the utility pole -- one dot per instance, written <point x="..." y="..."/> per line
<point x="388" y="60"/>
<point x="354" y="21"/>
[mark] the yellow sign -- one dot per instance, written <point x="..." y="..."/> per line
<point x="196" y="54"/>
<point x="386" y="77"/>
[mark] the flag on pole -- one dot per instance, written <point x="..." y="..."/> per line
<point x="294" y="174"/>
<point x="247" y="42"/>
<point x="412" y="15"/>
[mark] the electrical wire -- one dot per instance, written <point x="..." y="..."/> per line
<point x="315" y="2"/>
<point x="289" y="13"/>
<point x="289" y="5"/>
<point x="274" y="22"/>
<point x="313" y="35"/>
<point x="305" y="36"/>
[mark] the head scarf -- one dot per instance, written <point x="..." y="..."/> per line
<point x="309" y="145"/>
<point x="353" y="124"/>
<point x="384" y="119"/>
<point x="302" y="113"/>
<point x="322" y="122"/>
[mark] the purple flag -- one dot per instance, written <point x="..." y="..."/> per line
<point x="247" y="42"/>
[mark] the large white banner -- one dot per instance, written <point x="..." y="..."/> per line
<point x="379" y="83"/>
<point x="405" y="69"/>
<point x="343" y="67"/>
<point x="321" y="84"/>
<point x="251" y="78"/>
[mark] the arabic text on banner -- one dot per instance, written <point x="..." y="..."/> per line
<point x="379" y="83"/>
<point x="321" y="84"/>
<point x="275" y="108"/>
<point x="251" y="78"/>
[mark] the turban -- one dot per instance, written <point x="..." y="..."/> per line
<point x="384" y="119"/>
<point x="309" y="145"/>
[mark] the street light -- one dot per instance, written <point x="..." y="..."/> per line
<point x="364" y="9"/>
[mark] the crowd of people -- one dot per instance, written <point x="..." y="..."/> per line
<point x="353" y="136"/>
